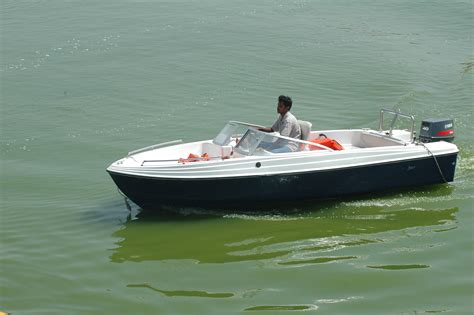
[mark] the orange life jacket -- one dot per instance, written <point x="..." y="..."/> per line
<point x="195" y="158"/>
<point x="327" y="142"/>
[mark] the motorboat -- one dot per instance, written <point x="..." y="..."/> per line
<point x="239" y="165"/>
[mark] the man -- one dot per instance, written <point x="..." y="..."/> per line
<point x="287" y="125"/>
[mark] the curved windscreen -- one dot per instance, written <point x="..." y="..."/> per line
<point x="231" y="130"/>
<point x="224" y="136"/>
<point x="256" y="142"/>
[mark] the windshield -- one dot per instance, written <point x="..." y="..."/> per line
<point x="224" y="136"/>
<point x="259" y="142"/>
<point x="232" y="129"/>
<point x="256" y="142"/>
<point x="249" y="142"/>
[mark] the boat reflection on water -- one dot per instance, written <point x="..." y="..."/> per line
<point x="324" y="230"/>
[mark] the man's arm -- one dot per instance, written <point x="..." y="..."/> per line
<point x="266" y="129"/>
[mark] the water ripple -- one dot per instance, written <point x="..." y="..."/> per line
<point x="188" y="293"/>
<point x="399" y="267"/>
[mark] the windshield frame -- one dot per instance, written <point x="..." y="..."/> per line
<point x="224" y="137"/>
<point x="261" y="135"/>
<point x="226" y="134"/>
<point x="258" y="137"/>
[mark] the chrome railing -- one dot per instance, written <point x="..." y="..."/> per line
<point x="397" y="114"/>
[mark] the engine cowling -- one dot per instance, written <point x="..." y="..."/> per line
<point x="432" y="130"/>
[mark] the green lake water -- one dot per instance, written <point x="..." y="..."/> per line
<point x="84" y="82"/>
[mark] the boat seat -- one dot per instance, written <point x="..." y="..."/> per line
<point x="305" y="127"/>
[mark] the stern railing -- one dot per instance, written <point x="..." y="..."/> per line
<point x="397" y="114"/>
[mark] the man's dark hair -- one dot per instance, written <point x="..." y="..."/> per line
<point x="286" y="100"/>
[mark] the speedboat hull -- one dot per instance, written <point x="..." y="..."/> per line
<point x="323" y="183"/>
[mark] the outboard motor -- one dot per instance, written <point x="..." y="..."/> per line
<point x="436" y="130"/>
